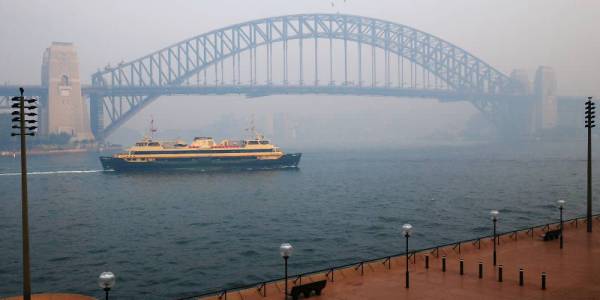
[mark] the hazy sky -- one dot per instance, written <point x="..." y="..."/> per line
<point x="508" y="34"/>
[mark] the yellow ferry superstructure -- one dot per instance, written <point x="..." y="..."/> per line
<point x="203" y="153"/>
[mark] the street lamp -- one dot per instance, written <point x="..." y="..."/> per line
<point x="406" y="231"/>
<point x="494" y="214"/>
<point x="106" y="281"/>
<point x="589" y="124"/>
<point x="561" y="204"/>
<point x="26" y="127"/>
<point x="286" y="251"/>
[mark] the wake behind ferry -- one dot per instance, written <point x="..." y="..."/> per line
<point x="203" y="154"/>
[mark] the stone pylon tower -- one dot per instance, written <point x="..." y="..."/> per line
<point x="65" y="110"/>
<point x="545" y="107"/>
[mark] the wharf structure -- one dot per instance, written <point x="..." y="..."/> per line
<point x="571" y="272"/>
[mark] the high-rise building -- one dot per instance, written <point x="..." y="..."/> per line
<point x="544" y="112"/>
<point x="65" y="110"/>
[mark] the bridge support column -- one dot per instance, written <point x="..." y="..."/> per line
<point x="65" y="111"/>
<point x="96" y="116"/>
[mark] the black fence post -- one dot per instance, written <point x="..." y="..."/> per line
<point x="426" y="261"/>
<point x="462" y="264"/>
<point x="499" y="273"/>
<point x="444" y="263"/>
<point x="480" y="269"/>
<point x="521" y="277"/>
<point x="543" y="280"/>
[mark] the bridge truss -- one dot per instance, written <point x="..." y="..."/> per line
<point x="309" y="53"/>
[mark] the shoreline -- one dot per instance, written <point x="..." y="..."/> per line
<point x="60" y="151"/>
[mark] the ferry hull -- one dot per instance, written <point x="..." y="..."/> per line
<point x="202" y="164"/>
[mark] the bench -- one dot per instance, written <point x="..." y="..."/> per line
<point x="550" y="235"/>
<point x="307" y="289"/>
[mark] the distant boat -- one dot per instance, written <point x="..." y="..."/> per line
<point x="8" y="153"/>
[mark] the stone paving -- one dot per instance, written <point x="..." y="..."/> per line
<point x="572" y="273"/>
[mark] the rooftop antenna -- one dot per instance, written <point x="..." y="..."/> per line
<point x="152" y="128"/>
<point x="252" y="129"/>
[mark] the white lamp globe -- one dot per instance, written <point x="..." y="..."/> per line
<point x="106" y="280"/>
<point x="407" y="229"/>
<point x="494" y="213"/>
<point x="286" y="250"/>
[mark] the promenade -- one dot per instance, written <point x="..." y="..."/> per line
<point x="572" y="273"/>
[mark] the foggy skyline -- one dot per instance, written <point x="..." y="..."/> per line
<point x="506" y="34"/>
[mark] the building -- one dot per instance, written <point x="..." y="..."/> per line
<point x="545" y="107"/>
<point x="64" y="111"/>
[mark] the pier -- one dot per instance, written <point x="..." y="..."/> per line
<point x="569" y="272"/>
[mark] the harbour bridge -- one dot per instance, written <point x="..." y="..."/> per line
<point x="334" y="54"/>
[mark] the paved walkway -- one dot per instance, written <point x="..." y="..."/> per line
<point x="53" y="296"/>
<point x="572" y="273"/>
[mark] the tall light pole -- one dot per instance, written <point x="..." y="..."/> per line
<point x="106" y="281"/>
<point x="26" y="127"/>
<point x="286" y="251"/>
<point x="406" y="231"/>
<point x="589" y="124"/>
<point x="494" y="214"/>
<point x="561" y="204"/>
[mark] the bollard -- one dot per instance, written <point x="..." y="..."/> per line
<point x="521" y="277"/>
<point x="499" y="273"/>
<point x="480" y="269"/>
<point x="462" y="263"/>
<point x="543" y="280"/>
<point x="444" y="263"/>
<point x="426" y="261"/>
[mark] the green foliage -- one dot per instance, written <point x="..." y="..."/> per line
<point x="7" y="142"/>
<point x="59" y="139"/>
<point x="11" y="143"/>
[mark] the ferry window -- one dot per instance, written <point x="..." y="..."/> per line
<point x="264" y="142"/>
<point x="140" y="144"/>
<point x="253" y="142"/>
<point x="153" y="144"/>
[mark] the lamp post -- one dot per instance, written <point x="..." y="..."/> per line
<point x="106" y="281"/>
<point x="406" y="231"/>
<point x="589" y="124"/>
<point x="26" y="127"/>
<point x="286" y="251"/>
<point x="561" y="204"/>
<point x="494" y="214"/>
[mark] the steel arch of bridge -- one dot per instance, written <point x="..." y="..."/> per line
<point x="154" y="74"/>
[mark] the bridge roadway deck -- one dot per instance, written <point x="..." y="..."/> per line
<point x="254" y="91"/>
<point x="572" y="272"/>
<point x="266" y="90"/>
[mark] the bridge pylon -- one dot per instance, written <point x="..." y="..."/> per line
<point x="64" y="110"/>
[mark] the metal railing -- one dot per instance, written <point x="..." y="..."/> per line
<point x="261" y="286"/>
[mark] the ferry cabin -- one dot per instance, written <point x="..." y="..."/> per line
<point x="149" y="150"/>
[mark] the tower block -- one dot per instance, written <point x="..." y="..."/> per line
<point x="65" y="110"/>
<point x="545" y="114"/>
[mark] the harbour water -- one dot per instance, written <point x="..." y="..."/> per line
<point x="169" y="235"/>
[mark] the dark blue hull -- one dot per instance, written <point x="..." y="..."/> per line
<point x="202" y="164"/>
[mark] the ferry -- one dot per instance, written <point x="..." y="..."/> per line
<point x="202" y="154"/>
